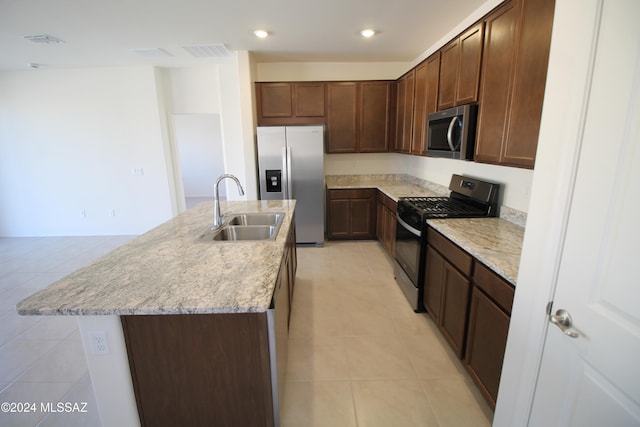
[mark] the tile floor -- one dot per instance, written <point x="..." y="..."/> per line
<point x="358" y="355"/>
<point x="41" y="357"/>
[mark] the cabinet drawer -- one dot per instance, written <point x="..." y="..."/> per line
<point x="352" y="193"/>
<point x="499" y="290"/>
<point x="456" y="256"/>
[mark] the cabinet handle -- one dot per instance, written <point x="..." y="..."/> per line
<point x="562" y="319"/>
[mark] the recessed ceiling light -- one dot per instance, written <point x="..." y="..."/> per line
<point x="261" y="33"/>
<point x="368" y="33"/>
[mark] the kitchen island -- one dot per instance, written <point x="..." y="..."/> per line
<point x="180" y="329"/>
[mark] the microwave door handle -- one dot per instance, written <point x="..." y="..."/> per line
<point x="450" y="133"/>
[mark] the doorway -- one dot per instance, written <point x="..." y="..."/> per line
<point x="199" y="143"/>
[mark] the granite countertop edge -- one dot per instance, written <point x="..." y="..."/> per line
<point x="170" y="270"/>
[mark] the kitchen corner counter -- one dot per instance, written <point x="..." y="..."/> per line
<point x="388" y="184"/>
<point x="169" y="271"/>
<point x="495" y="242"/>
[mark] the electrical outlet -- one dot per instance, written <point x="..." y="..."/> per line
<point x="99" y="343"/>
<point x="112" y="212"/>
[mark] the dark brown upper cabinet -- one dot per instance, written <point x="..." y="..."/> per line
<point x="359" y="116"/>
<point x="460" y="62"/>
<point x="342" y="126"/>
<point x="286" y="103"/>
<point x="375" y="116"/>
<point x="426" y="100"/>
<point x="404" y="112"/>
<point x="514" y="72"/>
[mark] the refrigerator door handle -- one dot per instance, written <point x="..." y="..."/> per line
<point x="289" y="194"/>
<point x="285" y="173"/>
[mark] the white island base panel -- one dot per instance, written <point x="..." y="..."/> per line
<point x="110" y="374"/>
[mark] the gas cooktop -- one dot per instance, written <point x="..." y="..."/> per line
<point x="469" y="198"/>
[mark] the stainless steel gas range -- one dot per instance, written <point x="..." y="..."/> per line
<point x="469" y="198"/>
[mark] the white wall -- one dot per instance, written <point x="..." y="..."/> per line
<point x="68" y="143"/>
<point x="516" y="188"/>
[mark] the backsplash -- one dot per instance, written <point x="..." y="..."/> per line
<point x="509" y="214"/>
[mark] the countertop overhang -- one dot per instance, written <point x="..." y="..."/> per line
<point x="169" y="271"/>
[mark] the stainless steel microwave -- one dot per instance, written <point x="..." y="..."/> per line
<point x="452" y="132"/>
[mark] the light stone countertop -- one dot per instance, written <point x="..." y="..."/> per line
<point x="169" y="270"/>
<point x="495" y="242"/>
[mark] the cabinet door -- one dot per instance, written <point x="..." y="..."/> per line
<point x="449" y="60"/>
<point x="486" y="342"/>
<point x="419" y="109"/>
<point x="495" y="89"/>
<point x="276" y="100"/>
<point x="433" y="79"/>
<point x="433" y="283"/>
<point x="455" y="302"/>
<point x="363" y="225"/>
<point x="468" y="78"/>
<point x="308" y="99"/>
<point x="407" y="125"/>
<point x="400" y="100"/>
<point x="375" y="102"/>
<point x="338" y="219"/>
<point x="390" y="231"/>
<point x="341" y="118"/>
<point x="529" y="83"/>
<point x="380" y="221"/>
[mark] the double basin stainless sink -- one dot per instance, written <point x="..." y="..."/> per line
<point x="246" y="226"/>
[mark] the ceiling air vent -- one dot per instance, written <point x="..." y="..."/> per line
<point x="208" y="51"/>
<point x="43" y="39"/>
<point x="152" y="52"/>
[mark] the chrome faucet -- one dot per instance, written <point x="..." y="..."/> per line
<point x="217" y="217"/>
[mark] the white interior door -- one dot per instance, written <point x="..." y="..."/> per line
<point x="593" y="379"/>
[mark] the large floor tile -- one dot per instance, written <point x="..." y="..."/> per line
<point x="377" y="357"/>
<point x="18" y="355"/>
<point x="318" y="404"/>
<point x="63" y="363"/>
<point x="317" y="359"/>
<point x="455" y="405"/>
<point x="392" y="403"/>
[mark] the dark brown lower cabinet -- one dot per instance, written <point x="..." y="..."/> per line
<point x="351" y="214"/>
<point x="489" y="318"/>
<point x="200" y="369"/>
<point x="447" y="288"/>
<point x="212" y="369"/>
<point x="386" y="223"/>
<point x="472" y="314"/>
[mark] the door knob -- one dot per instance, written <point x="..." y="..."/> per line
<point x="562" y="319"/>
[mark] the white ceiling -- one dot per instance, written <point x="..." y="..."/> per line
<point x="104" y="32"/>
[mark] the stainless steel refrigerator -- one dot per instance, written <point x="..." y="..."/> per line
<point x="291" y="166"/>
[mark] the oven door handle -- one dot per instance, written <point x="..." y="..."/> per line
<point x="413" y="231"/>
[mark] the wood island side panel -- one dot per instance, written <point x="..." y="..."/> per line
<point x="201" y="369"/>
